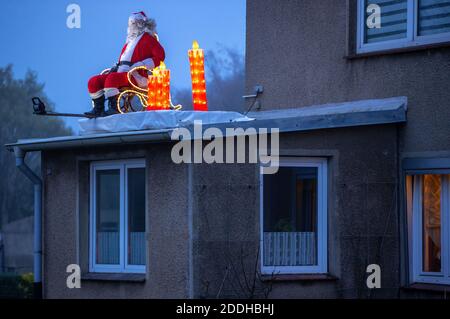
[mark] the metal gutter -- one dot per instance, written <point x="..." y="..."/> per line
<point x="2" y="254"/>
<point x="37" y="243"/>
<point x="31" y="145"/>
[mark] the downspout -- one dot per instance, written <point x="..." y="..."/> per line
<point x="37" y="245"/>
<point x="190" y="232"/>
<point x="2" y="254"/>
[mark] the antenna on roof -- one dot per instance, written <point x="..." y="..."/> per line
<point x="39" y="109"/>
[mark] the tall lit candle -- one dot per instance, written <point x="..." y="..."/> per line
<point x="197" y="64"/>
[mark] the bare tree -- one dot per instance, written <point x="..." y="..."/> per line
<point x="243" y="277"/>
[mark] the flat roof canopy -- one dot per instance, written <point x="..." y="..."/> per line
<point x="357" y="113"/>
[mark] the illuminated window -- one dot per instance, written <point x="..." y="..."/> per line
<point x="402" y="23"/>
<point x="428" y="199"/>
<point x="117" y="235"/>
<point x="294" y="217"/>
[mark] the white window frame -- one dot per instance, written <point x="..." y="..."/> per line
<point x="418" y="275"/>
<point x="412" y="38"/>
<point x="322" y="215"/>
<point x="123" y="266"/>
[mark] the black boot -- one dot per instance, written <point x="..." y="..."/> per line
<point x="99" y="107"/>
<point x="112" y="105"/>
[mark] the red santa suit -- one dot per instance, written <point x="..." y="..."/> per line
<point x="144" y="50"/>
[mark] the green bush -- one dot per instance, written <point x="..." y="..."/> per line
<point x="13" y="286"/>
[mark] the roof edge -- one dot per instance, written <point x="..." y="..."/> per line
<point x="327" y="116"/>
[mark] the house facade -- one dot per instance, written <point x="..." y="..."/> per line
<point x="329" y="53"/>
<point x="362" y="184"/>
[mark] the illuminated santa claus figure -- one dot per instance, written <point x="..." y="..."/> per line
<point x="141" y="49"/>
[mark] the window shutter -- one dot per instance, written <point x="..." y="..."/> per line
<point x="394" y="14"/>
<point x="434" y="17"/>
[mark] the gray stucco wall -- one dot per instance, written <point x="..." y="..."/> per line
<point x="167" y="226"/>
<point x="362" y="218"/>
<point x="297" y="50"/>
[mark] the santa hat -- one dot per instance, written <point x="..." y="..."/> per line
<point x="138" y="16"/>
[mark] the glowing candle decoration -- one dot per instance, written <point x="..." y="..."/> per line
<point x="197" y="63"/>
<point x="165" y="87"/>
<point x="159" y="88"/>
<point x="151" y="102"/>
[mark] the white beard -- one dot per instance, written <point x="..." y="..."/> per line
<point x="133" y="33"/>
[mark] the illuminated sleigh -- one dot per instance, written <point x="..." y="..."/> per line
<point x="155" y="97"/>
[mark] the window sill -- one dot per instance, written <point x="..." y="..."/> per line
<point x="113" y="277"/>
<point x="397" y="51"/>
<point x="299" y="277"/>
<point x="428" y="287"/>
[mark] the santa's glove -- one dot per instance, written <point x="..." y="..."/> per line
<point x="123" y="68"/>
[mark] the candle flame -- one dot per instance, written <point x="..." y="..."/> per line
<point x="195" y="45"/>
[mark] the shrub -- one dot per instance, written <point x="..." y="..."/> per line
<point x="13" y="286"/>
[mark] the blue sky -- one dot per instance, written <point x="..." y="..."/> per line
<point x="35" y="36"/>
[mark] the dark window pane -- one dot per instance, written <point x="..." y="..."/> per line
<point x="431" y="208"/>
<point x="290" y="217"/>
<point x="136" y="216"/>
<point x="108" y="216"/>
<point x="434" y="16"/>
<point x="394" y="15"/>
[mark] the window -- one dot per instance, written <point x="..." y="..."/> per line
<point x="117" y="217"/>
<point x="294" y="217"/>
<point x="428" y="206"/>
<point x="403" y="23"/>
